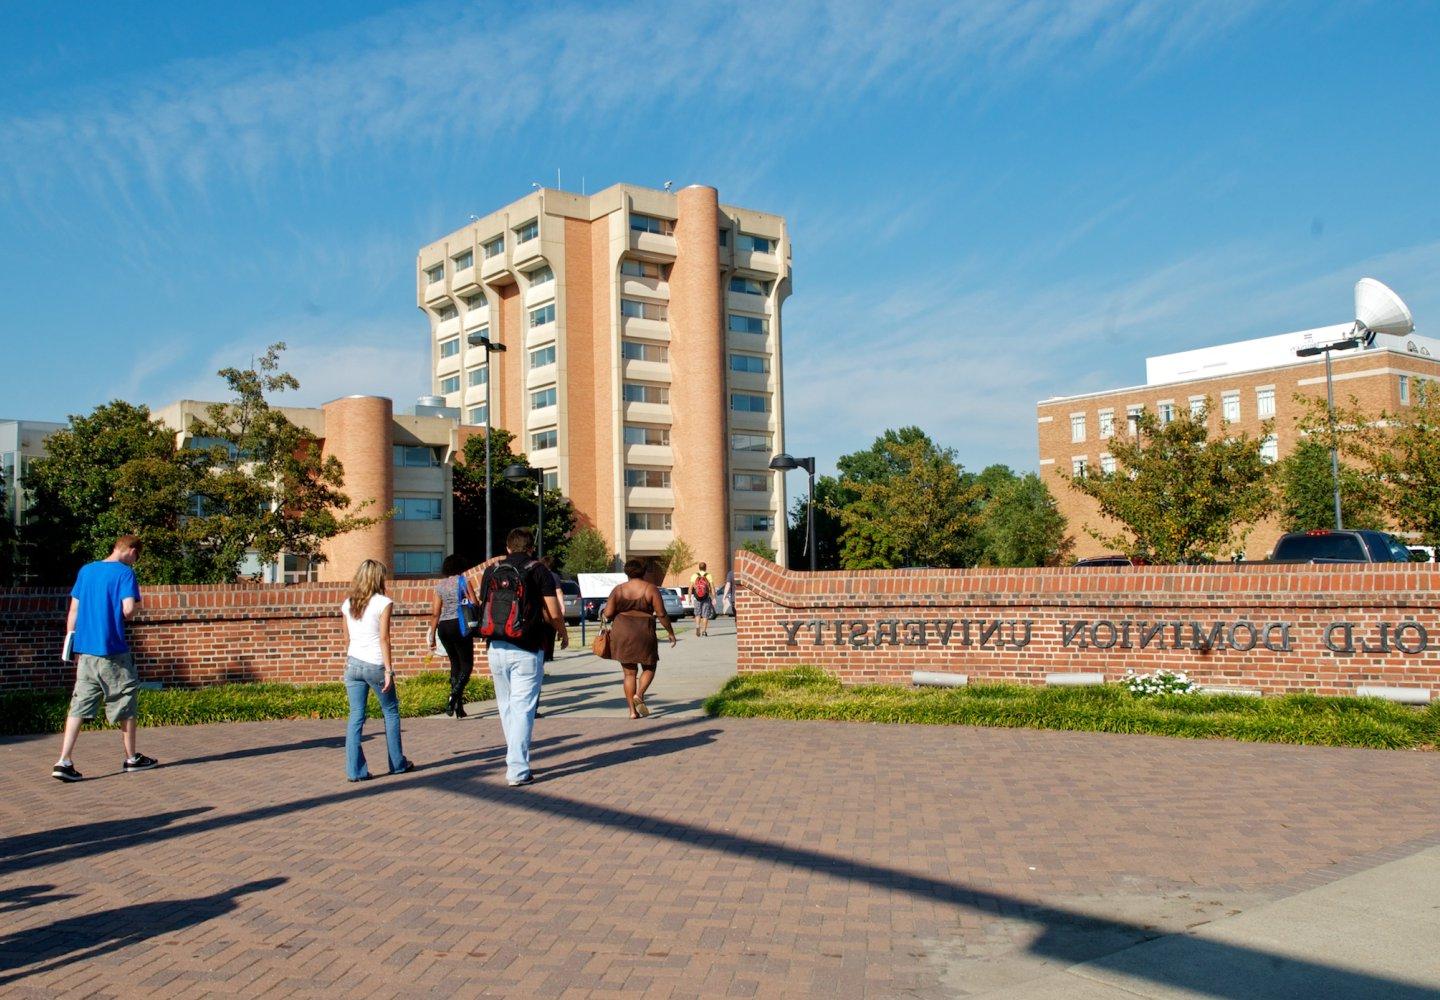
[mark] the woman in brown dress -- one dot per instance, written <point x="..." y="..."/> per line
<point x="632" y="610"/>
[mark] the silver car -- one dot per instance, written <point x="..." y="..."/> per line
<point x="571" y="590"/>
<point x="673" y="606"/>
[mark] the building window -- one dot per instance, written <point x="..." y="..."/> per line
<point x="640" y="434"/>
<point x="475" y="300"/>
<point x="644" y="392"/>
<point x="1264" y="403"/>
<point x="1107" y="423"/>
<point x="541" y="440"/>
<point x="450" y="348"/>
<point x="1197" y="407"/>
<point x="1167" y="412"/>
<point x="423" y="563"/>
<point x="528" y="232"/>
<point x="447" y="312"/>
<point x="1404" y="390"/>
<point x="550" y="479"/>
<point x="464" y="260"/>
<point x="1269" y="450"/>
<point x="647" y="520"/>
<point x="542" y="275"/>
<point x="754" y="244"/>
<point x="478" y="415"/>
<point x="449" y="384"/>
<point x="750" y="363"/>
<point x="494" y="248"/>
<point x="1077" y="468"/>
<point x="749" y="286"/>
<point x="417" y="509"/>
<point x="1077" y="427"/>
<point x="750" y="482"/>
<point x="545" y="314"/>
<point x="542" y="398"/>
<point x="749" y="402"/>
<point x="652" y="478"/>
<point x="636" y="309"/>
<point x="724" y="237"/>
<point x="1107" y="464"/>
<point x="413" y="456"/>
<point x="544" y="356"/>
<point x="479" y="376"/>
<point x="749" y="442"/>
<point x="748" y="324"/>
<point x="435" y="275"/>
<point x="1132" y="420"/>
<point x="643" y="269"/>
<point x="634" y="350"/>
<point x="1230" y="406"/>
<point x="754" y="522"/>
<point x="650" y="224"/>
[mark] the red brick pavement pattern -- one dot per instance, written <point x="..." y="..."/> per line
<point x="695" y="858"/>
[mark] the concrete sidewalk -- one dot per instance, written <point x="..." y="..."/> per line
<point x="1371" y="935"/>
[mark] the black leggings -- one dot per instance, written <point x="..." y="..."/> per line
<point x="461" y="650"/>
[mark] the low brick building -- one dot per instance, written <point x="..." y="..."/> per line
<point x="1246" y="384"/>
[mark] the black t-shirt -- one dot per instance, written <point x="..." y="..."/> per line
<point x="538" y="585"/>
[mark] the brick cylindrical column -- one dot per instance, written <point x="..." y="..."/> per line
<point x="697" y="380"/>
<point x="359" y="432"/>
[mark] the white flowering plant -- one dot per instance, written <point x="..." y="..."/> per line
<point x="1160" y="682"/>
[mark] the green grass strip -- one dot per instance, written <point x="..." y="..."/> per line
<point x="420" y="694"/>
<point x="810" y="693"/>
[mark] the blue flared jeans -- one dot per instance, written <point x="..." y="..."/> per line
<point x="360" y="679"/>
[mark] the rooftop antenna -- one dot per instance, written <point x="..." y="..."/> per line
<point x="1380" y="310"/>
<point x="668" y="186"/>
<point x="535" y="185"/>
<point x="474" y="218"/>
<point x="557" y="180"/>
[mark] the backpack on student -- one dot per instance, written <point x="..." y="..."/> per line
<point x="508" y="607"/>
<point x="701" y="588"/>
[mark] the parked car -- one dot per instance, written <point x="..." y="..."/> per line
<point x="1115" y="560"/>
<point x="673" y="605"/>
<point x="1422" y="553"/>
<point x="571" y="590"/>
<point x="1327" y="546"/>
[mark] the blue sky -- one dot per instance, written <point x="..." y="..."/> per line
<point x="991" y="202"/>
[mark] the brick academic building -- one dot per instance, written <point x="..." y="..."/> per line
<point x="1246" y="384"/>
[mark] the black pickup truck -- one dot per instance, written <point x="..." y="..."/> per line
<point x="1339" y="547"/>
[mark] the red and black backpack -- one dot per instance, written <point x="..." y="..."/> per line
<point x="508" y="608"/>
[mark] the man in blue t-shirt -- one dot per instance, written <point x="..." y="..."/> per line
<point x="104" y="597"/>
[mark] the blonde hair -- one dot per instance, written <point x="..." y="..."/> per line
<point x="369" y="581"/>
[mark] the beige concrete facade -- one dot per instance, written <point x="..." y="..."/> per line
<point x="1076" y="429"/>
<point x="642" y="363"/>
<point x="397" y="468"/>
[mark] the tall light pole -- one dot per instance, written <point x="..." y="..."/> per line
<point x="519" y="473"/>
<point x="491" y="347"/>
<point x="1327" y="349"/>
<point x="784" y="463"/>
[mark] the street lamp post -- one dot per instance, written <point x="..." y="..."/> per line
<point x="491" y="347"/>
<point x="784" y="463"/>
<point x="1327" y="349"/>
<point x="519" y="473"/>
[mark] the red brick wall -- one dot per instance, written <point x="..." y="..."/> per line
<point x="1385" y="604"/>
<point x="196" y="635"/>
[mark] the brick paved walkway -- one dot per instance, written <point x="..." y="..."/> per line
<point x="675" y="858"/>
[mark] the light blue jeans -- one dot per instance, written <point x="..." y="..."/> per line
<point x="517" y="674"/>
<point x="360" y="679"/>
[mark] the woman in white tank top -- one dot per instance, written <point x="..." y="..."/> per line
<point x="368" y="667"/>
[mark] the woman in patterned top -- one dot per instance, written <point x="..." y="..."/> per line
<point x="445" y="622"/>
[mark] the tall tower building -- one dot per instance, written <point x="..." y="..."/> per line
<point x="642" y="362"/>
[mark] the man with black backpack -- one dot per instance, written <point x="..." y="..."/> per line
<point x="517" y="603"/>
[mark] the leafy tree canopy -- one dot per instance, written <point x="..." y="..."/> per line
<point x="1022" y="526"/>
<point x="515" y="503"/>
<point x="1307" y="491"/>
<point x="586" y="552"/>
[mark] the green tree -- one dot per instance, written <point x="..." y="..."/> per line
<point x="759" y="548"/>
<point x="1179" y="495"/>
<point x="1022" y="526"/>
<point x="913" y="508"/>
<point x="586" y="552"/>
<point x="1401" y="453"/>
<point x="514" y="502"/>
<point x="831" y="497"/>
<point x="1307" y="491"/>
<point x="7" y="538"/>
<point x="879" y="462"/>
<point x="676" y="557"/>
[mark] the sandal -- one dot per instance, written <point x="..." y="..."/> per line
<point x="641" y="707"/>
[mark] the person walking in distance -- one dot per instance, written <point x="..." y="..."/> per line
<point x="632" y="610"/>
<point x="550" y="632"/>
<point x="445" y="622"/>
<point x="517" y="601"/>
<point x="702" y="589"/>
<point x="368" y="667"/>
<point x="103" y="599"/>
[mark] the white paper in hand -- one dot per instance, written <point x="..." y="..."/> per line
<point x="68" y="649"/>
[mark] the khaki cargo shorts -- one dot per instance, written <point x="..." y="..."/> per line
<point x="111" y="679"/>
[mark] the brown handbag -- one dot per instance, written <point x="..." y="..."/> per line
<point x="600" y="646"/>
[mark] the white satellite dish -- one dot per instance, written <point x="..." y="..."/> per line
<point x="1380" y="310"/>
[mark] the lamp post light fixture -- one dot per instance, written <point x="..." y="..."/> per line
<point x="518" y="473"/>
<point x="491" y="347"/>
<point x="1327" y="349"/>
<point x="784" y="462"/>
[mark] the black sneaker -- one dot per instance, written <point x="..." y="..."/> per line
<point x="65" y="772"/>
<point x="140" y="763"/>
